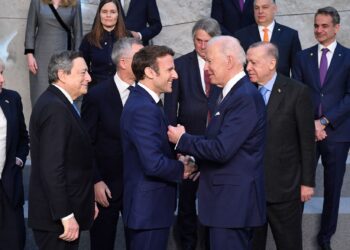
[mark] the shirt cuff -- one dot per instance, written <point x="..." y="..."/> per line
<point x="19" y="162"/>
<point x="140" y="35"/>
<point x="68" y="217"/>
<point x="178" y="141"/>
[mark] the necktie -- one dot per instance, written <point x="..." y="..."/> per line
<point x="160" y="104"/>
<point x="130" y="88"/>
<point x="241" y="4"/>
<point x="266" y="35"/>
<point x="76" y="108"/>
<point x="263" y="91"/>
<point x="221" y="96"/>
<point x="207" y="83"/>
<point x="323" y="65"/>
<point x="126" y="6"/>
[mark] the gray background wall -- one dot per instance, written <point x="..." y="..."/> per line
<point x="178" y="17"/>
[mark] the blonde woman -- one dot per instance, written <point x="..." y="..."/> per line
<point x="52" y="26"/>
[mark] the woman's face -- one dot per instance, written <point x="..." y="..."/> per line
<point x="109" y="16"/>
<point x="2" y="79"/>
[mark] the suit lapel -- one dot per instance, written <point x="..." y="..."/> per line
<point x="276" y="97"/>
<point x="197" y="75"/>
<point x="5" y="106"/>
<point x="114" y="94"/>
<point x="335" y="63"/>
<point x="275" y="38"/>
<point x="236" y="4"/>
<point x="312" y="61"/>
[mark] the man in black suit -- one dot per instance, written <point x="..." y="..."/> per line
<point x="232" y="15"/>
<point x="268" y="30"/>
<point x="290" y="148"/>
<point x="14" y="149"/>
<point x="61" y="195"/>
<point x="189" y="104"/>
<point x="142" y="19"/>
<point x="101" y="111"/>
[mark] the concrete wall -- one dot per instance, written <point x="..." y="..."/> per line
<point x="178" y="18"/>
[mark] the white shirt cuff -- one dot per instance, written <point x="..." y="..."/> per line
<point x="19" y="162"/>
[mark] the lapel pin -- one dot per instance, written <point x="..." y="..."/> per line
<point x="311" y="54"/>
<point x="339" y="54"/>
<point x="217" y="113"/>
<point x="7" y="101"/>
<point x="279" y="29"/>
<point x="279" y="90"/>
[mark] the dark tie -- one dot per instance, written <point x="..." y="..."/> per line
<point x="323" y="65"/>
<point x="75" y="106"/>
<point x="207" y="82"/>
<point x="241" y="4"/>
<point x="160" y="104"/>
<point x="263" y="91"/>
<point x="130" y="88"/>
<point x="221" y="96"/>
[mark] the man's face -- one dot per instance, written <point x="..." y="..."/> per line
<point x="325" y="30"/>
<point x="200" y="41"/>
<point x="264" y="12"/>
<point x="162" y="81"/>
<point x="216" y="63"/>
<point x="260" y="66"/>
<point x="76" y="83"/>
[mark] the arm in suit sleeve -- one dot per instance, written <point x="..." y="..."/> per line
<point x="32" y="24"/>
<point x="77" y="27"/>
<point x="90" y="118"/>
<point x="217" y="14"/>
<point x="296" y="47"/>
<point x="171" y="102"/>
<point x="153" y="20"/>
<point x="237" y="125"/>
<point x="54" y="136"/>
<point x="23" y="140"/>
<point x="297" y="72"/>
<point x="149" y="141"/>
<point x="306" y="132"/>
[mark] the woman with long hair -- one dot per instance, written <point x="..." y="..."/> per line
<point x="52" y="26"/>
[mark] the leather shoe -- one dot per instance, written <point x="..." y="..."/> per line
<point x="326" y="246"/>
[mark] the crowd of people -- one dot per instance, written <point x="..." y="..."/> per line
<point x="118" y="126"/>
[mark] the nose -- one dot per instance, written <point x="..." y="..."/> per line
<point x="2" y="79"/>
<point x="87" y="77"/>
<point x="175" y="75"/>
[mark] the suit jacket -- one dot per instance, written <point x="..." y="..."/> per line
<point x="230" y="17"/>
<point x="231" y="189"/>
<point x="334" y="95"/>
<point x="150" y="179"/>
<point x="61" y="181"/>
<point x="143" y="16"/>
<point x="101" y="111"/>
<point x="187" y="104"/>
<point x="290" y="142"/>
<point x="16" y="146"/>
<point x="285" y="38"/>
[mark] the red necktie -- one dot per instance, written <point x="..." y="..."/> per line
<point x="207" y="91"/>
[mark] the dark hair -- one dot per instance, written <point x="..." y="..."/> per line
<point x="61" y="61"/>
<point x="330" y="11"/>
<point x="95" y="36"/>
<point x="147" y="57"/>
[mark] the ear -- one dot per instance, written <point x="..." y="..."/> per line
<point x="61" y="75"/>
<point x="122" y="63"/>
<point x="273" y="64"/>
<point x="149" y="72"/>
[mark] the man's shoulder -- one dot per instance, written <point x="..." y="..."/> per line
<point x="285" y="28"/>
<point x="246" y="31"/>
<point x="186" y="58"/>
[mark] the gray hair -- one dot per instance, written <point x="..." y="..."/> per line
<point x="122" y="48"/>
<point x="209" y="25"/>
<point x="330" y="11"/>
<point x="230" y="46"/>
<point x="61" y="61"/>
<point x="2" y="64"/>
<point x="271" y="49"/>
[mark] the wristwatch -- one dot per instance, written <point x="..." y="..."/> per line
<point x="324" y="121"/>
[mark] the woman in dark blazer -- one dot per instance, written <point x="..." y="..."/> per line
<point x="97" y="45"/>
<point x="13" y="152"/>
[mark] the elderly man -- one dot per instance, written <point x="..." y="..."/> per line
<point x="191" y="103"/>
<point x="61" y="195"/>
<point x="290" y="144"/>
<point x="267" y="29"/>
<point x="231" y="187"/>
<point x="325" y="69"/>
<point x="101" y="111"/>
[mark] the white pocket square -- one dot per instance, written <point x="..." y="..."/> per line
<point x="217" y="113"/>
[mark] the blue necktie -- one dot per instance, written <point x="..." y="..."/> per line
<point x="76" y="108"/>
<point x="263" y="91"/>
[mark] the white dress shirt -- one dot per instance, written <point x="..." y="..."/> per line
<point x="270" y="28"/>
<point x="330" y="53"/>
<point x="232" y="82"/>
<point x="122" y="88"/>
<point x="201" y="64"/>
<point x="3" y="133"/>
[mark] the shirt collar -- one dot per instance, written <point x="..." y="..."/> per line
<point x="330" y="47"/>
<point x="232" y="82"/>
<point x="270" y="83"/>
<point x="153" y="94"/>
<point x="121" y="85"/>
<point x="64" y="92"/>
<point x="270" y="27"/>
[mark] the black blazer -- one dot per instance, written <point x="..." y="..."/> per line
<point x="16" y="146"/>
<point x="61" y="180"/>
<point x="187" y="104"/>
<point x="290" y="143"/>
<point x="101" y="111"/>
<point x="230" y="17"/>
<point x="285" y="38"/>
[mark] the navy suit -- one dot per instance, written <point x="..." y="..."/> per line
<point x="150" y="179"/>
<point x="285" y="38"/>
<point x="334" y="97"/>
<point x="143" y="16"/>
<point x="231" y="187"/>
<point x="101" y="111"/>
<point x="188" y="105"/>
<point x="230" y="17"/>
<point x="12" y="229"/>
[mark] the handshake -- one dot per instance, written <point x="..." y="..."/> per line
<point x="190" y="167"/>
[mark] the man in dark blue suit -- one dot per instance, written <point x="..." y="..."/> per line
<point x="325" y="68"/>
<point x="101" y="111"/>
<point x="14" y="149"/>
<point x="231" y="195"/>
<point x="268" y="30"/>
<point x="232" y="15"/>
<point x="142" y="19"/>
<point x="149" y="200"/>
<point x="188" y="104"/>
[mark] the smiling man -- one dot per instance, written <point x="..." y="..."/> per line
<point x="61" y="196"/>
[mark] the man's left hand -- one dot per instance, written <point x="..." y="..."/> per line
<point x="174" y="133"/>
<point x="306" y="193"/>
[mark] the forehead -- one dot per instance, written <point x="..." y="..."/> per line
<point x="109" y="6"/>
<point x="202" y="34"/>
<point x="263" y="2"/>
<point x="256" y="53"/>
<point x="165" y="62"/>
<point x="323" y="19"/>
<point x="79" y="64"/>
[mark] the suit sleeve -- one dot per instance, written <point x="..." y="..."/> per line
<point x="238" y="123"/>
<point x="55" y="132"/>
<point x="306" y="128"/>
<point x="297" y="72"/>
<point x="296" y="47"/>
<point x="147" y="137"/>
<point x="217" y="14"/>
<point x="153" y="19"/>
<point x="77" y="27"/>
<point x="23" y="140"/>
<point x="171" y="101"/>
<point x="32" y="24"/>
